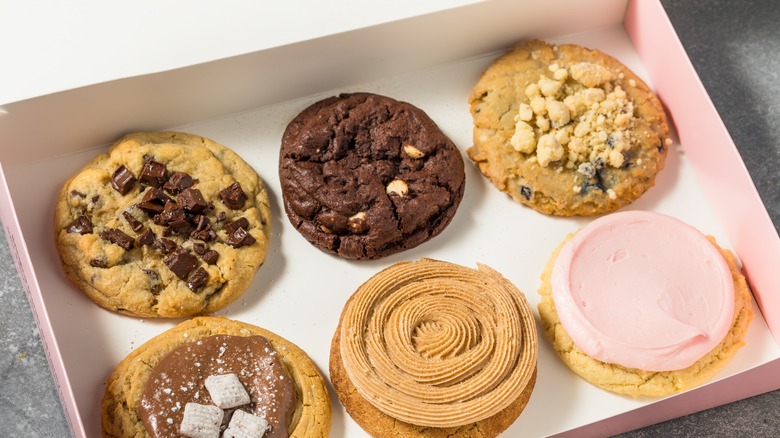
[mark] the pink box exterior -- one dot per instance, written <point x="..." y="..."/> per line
<point x="24" y="266"/>
<point x="719" y="169"/>
<point x="716" y="161"/>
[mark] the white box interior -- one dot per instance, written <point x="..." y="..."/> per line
<point x="299" y="291"/>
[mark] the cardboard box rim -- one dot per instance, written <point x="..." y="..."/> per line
<point x="656" y="47"/>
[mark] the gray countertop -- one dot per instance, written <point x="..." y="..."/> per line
<point x="735" y="47"/>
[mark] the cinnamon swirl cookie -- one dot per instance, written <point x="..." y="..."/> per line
<point x="434" y="349"/>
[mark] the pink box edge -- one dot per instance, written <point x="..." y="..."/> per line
<point x="26" y="271"/>
<point x="698" y="123"/>
<point x="740" y="386"/>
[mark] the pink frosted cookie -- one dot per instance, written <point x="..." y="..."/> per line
<point x="643" y="304"/>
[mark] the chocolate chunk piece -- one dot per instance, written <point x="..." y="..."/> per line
<point x="134" y="223"/>
<point x="99" y="262"/>
<point x="165" y="245"/>
<point x="203" y="231"/>
<point x="75" y="193"/>
<point x="233" y="196"/>
<point x="177" y="182"/>
<point x="199" y="248"/>
<point x="157" y="196"/>
<point x="240" y="238"/>
<point x="180" y="262"/>
<point x="197" y="279"/>
<point x="192" y="200"/>
<point x="95" y="199"/>
<point x="81" y="225"/>
<point x="236" y="224"/>
<point x="154" y="174"/>
<point x="150" y="207"/>
<point x="171" y="212"/>
<point x="178" y="226"/>
<point x="154" y="201"/>
<point x="210" y="257"/>
<point x="146" y="237"/>
<point x="221" y="216"/>
<point x="118" y="237"/>
<point x="154" y="281"/>
<point x="122" y="180"/>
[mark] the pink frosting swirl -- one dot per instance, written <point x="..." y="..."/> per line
<point x="643" y="290"/>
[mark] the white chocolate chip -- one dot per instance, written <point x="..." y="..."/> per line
<point x="397" y="187"/>
<point x="413" y="151"/>
<point x="548" y="149"/>
<point x="357" y="223"/>
<point x="523" y="139"/>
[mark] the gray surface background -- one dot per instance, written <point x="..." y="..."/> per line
<point x="735" y="47"/>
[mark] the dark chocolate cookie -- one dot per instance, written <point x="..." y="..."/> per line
<point x="365" y="176"/>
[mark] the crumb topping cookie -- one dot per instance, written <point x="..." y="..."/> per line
<point x="433" y="349"/>
<point x="567" y="130"/>
<point x="164" y="224"/>
<point x="212" y="376"/>
<point x="366" y="176"/>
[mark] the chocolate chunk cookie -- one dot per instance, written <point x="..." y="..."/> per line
<point x="164" y="224"/>
<point x="567" y="130"/>
<point x="365" y="176"/>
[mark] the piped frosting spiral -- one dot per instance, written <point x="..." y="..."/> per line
<point x="436" y="344"/>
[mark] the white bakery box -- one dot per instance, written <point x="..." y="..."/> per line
<point x="431" y="59"/>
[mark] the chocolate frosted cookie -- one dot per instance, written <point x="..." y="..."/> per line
<point x="164" y="224"/>
<point x="567" y="130"/>
<point x="365" y="176"/>
<point x="212" y="376"/>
